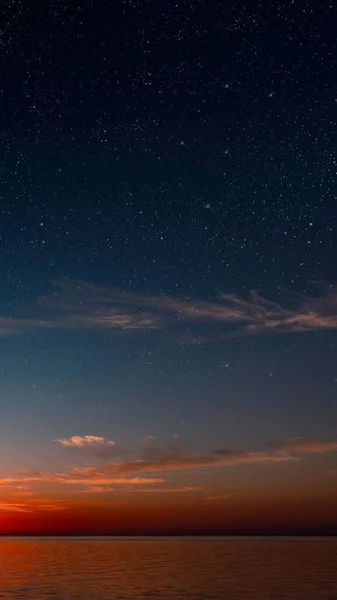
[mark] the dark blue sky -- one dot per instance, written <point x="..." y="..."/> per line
<point x="158" y="158"/>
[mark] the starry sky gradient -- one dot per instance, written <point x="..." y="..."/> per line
<point x="168" y="289"/>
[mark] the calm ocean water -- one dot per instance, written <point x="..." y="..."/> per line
<point x="182" y="568"/>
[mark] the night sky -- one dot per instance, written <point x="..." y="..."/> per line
<point x="168" y="270"/>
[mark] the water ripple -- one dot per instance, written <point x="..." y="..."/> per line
<point x="235" y="569"/>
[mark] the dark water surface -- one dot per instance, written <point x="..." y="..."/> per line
<point x="185" y="568"/>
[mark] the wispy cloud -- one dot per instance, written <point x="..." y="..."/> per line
<point x="180" y="490"/>
<point x="298" y="445"/>
<point x="76" y="305"/>
<point x="13" y="507"/>
<point x="190" y="462"/>
<point x="150" y="470"/>
<point x="135" y="490"/>
<point x="98" y="489"/>
<point x="49" y="507"/>
<point x="127" y="475"/>
<point x="29" y="508"/>
<point x="221" y="497"/>
<point x="78" y="477"/>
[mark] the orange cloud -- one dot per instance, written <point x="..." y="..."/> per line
<point x="80" y="477"/>
<point x="13" y="507"/>
<point x="133" y="475"/>
<point x="29" y="508"/>
<point x="99" y="489"/>
<point x="130" y="490"/>
<point x="146" y="475"/>
<point x="123" y="473"/>
<point x="181" y="490"/>
<point x="154" y="458"/>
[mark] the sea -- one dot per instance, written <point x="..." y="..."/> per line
<point x="185" y="568"/>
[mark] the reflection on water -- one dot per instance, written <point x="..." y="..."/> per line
<point x="108" y="568"/>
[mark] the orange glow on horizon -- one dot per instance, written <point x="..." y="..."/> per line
<point x="239" y="515"/>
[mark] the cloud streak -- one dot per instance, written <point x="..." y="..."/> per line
<point x="29" y="508"/>
<point x="79" y="476"/>
<point x="128" y="475"/>
<point x="221" y="497"/>
<point x="185" y="489"/>
<point x="191" y="462"/>
<point x="150" y="466"/>
<point x="75" y="305"/>
<point x="298" y="445"/>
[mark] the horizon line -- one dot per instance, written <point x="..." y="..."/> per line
<point x="168" y="535"/>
